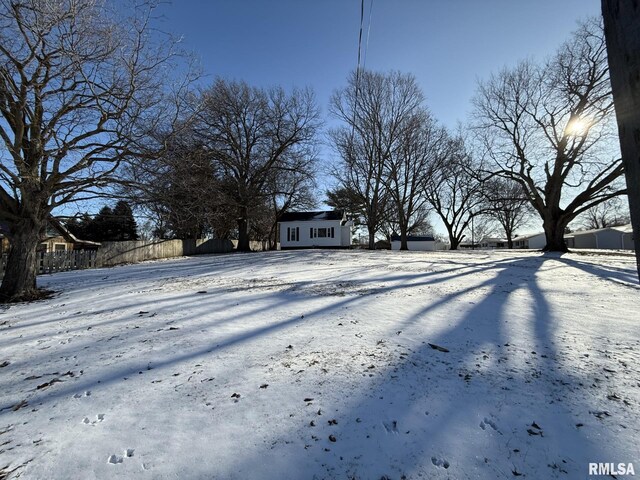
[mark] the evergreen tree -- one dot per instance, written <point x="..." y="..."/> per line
<point x="102" y="228"/>
<point x="124" y="225"/>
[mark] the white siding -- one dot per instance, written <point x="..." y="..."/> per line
<point x="345" y="235"/>
<point x="310" y="232"/>
<point x="607" y="238"/>
<point x="587" y="240"/>
<point x="537" y="241"/>
<point x="423" y="246"/>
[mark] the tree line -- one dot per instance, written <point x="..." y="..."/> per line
<point x="243" y="156"/>
<point x="541" y="139"/>
<point x="108" y="225"/>
<point x="88" y="105"/>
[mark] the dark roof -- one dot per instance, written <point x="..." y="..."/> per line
<point x="309" y="216"/>
<point x="414" y="238"/>
<point x="54" y="228"/>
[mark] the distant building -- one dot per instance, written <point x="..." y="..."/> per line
<point x="56" y="239"/>
<point x="415" y="243"/>
<point x="612" y="238"/>
<point x="535" y="241"/>
<point x="493" y="243"/>
<point x="325" y="229"/>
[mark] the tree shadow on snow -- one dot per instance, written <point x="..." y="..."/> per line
<point x="628" y="276"/>
<point x="429" y="411"/>
<point x="499" y="402"/>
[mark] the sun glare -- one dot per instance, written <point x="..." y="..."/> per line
<point x="578" y="127"/>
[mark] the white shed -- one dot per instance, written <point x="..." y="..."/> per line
<point x="414" y="242"/>
<point x="326" y="229"/>
<point x="627" y="236"/>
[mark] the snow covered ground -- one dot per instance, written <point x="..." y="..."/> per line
<point x="321" y="364"/>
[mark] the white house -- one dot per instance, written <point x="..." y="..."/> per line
<point x="414" y="242"/>
<point x="612" y="238"/>
<point x="493" y="243"/>
<point x="327" y="229"/>
<point x="535" y="241"/>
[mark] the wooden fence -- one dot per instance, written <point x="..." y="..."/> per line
<point x="51" y="262"/>
<point x="116" y="253"/>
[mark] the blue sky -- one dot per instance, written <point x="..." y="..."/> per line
<point x="447" y="44"/>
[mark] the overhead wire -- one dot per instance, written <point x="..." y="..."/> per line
<point x="360" y="33"/>
<point x="366" y="45"/>
<point x="357" y="85"/>
<point x="358" y="68"/>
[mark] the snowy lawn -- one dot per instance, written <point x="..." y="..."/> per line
<point x="318" y="364"/>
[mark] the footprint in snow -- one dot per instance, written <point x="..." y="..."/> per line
<point x="391" y="427"/>
<point x="85" y="394"/>
<point x="115" y="459"/>
<point x="99" y="418"/>
<point x="487" y="422"/>
<point x="440" y="462"/>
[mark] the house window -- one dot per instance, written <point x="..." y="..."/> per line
<point x="60" y="247"/>
<point x="326" y="232"/>
<point x="293" y="234"/>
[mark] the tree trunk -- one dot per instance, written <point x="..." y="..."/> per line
<point x="507" y="225"/>
<point x="19" y="282"/>
<point x="273" y="236"/>
<point x="453" y="241"/>
<point x="403" y="241"/>
<point x="403" y="223"/>
<point x="372" y="239"/>
<point x="243" y="235"/>
<point x="554" y="233"/>
<point x="621" y="18"/>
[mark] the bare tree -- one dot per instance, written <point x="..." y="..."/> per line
<point x="548" y="127"/>
<point x="455" y="191"/>
<point x="507" y="203"/>
<point x="79" y="88"/>
<point x="621" y="18"/>
<point x="253" y="134"/>
<point x="420" y="223"/>
<point x="174" y="189"/>
<point x="374" y="108"/>
<point x="482" y="226"/>
<point x="290" y="190"/>
<point x="409" y="169"/>
<point x="610" y="213"/>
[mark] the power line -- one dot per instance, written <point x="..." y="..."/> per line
<point x="366" y="46"/>
<point x="360" y="35"/>
<point x="357" y="80"/>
